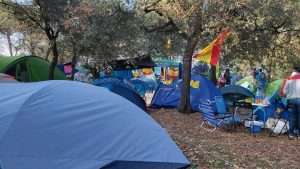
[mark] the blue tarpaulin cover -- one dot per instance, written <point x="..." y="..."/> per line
<point x="144" y="84"/>
<point x="202" y="90"/>
<point x="126" y="74"/>
<point x="233" y="93"/>
<point x="61" y="125"/>
<point x="123" y="88"/>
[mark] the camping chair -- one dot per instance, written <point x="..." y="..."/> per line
<point x="222" y="110"/>
<point x="281" y="116"/>
<point x="214" y="113"/>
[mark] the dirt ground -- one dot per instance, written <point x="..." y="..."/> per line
<point x="223" y="149"/>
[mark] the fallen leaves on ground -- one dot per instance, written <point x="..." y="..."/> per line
<point x="224" y="149"/>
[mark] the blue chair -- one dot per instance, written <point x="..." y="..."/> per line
<point x="221" y="105"/>
<point x="222" y="110"/>
<point x="214" y="113"/>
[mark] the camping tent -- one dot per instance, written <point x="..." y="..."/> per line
<point x="61" y="125"/>
<point x="234" y="93"/>
<point x="144" y="84"/>
<point x="123" y="89"/>
<point x="273" y="87"/>
<point x="202" y="90"/>
<point x="28" y="68"/>
<point x="248" y="82"/>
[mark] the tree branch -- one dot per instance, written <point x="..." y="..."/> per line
<point x="15" y="7"/>
<point x="169" y="26"/>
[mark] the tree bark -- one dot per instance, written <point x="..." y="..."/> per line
<point x="54" y="60"/>
<point x="185" y="105"/>
<point x="32" y="48"/>
<point x="48" y="51"/>
<point x="270" y="72"/>
<point x="8" y="34"/>
<point x="74" y="59"/>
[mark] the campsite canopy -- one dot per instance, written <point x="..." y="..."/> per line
<point x="28" y="68"/>
<point x="233" y="93"/>
<point x="135" y="63"/>
<point x="122" y="88"/>
<point x="61" y="125"/>
<point x="165" y="62"/>
<point x="202" y="90"/>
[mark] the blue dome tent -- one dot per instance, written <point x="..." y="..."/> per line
<point x="234" y="93"/>
<point x="122" y="88"/>
<point x="61" y="125"/>
<point x="202" y="90"/>
<point x="140" y="86"/>
<point x="114" y="80"/>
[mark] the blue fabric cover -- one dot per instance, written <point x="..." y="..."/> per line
<point x="263" y="113"/>
<point x="144" y="84"/>
<point x="220" y="105"/>
<point x="169" y="95"/>
<point x="112" y="80"/>
<point x="151" y="83"/>
<point x="123" y="89"/>
<point x="233" y="93"/>
<point x="61" y="125"/>
<point x="209" y="114"/>
<point x="125" y="74"/>
<point x="140" y="86"/>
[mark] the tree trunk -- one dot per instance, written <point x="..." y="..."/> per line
<point x="32" y="48"/>
<point x="213" y="74"/>
<point x="185" y="105"/>
<point x="48" y="51"/>
<point x="54" y="60"/>
<point x="74" y="60"/>
<point x="8" y="34"/>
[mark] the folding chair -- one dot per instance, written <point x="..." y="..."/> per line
<point x="280" y="117"/>
<point x="214" y="113"/>
<point x="285" y="125"/>
<point x="221" y="106"/>
<point x="222" y="110"/>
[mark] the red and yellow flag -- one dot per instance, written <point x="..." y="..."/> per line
<point x="211" y="53"/>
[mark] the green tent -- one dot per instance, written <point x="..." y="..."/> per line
<point x="248" y="82"/>
<point x="28" y="68"/>
<point x="273" y="87"/>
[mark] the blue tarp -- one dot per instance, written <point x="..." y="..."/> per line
<point x="61" y="125"/>
<point x="233" y="93"/>
<point x="125" y="74"/>
<point x="169" y="95"/>
<point x="123" y="89"/>
<point x="144" y="84"/>
<point x="264" y="113"/>
<point x="113" y="80"/>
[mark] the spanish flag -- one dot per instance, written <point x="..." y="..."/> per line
<point x="211" y="53"/>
